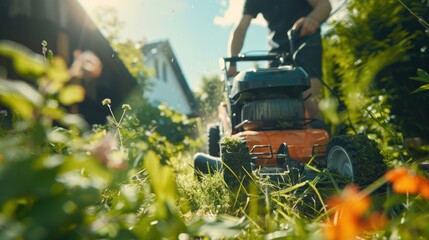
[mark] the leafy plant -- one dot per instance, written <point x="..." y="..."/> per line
<point x="369" y="59"/>
<point x="422" y="76"/>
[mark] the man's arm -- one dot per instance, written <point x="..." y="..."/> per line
<point x="236" y="40"/>
<point x="321" y="10"/>
<point x="238" y="33"/>
<point x="311" y="23"/>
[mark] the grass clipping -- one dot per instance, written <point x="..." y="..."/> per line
<point x="236" y="159"/>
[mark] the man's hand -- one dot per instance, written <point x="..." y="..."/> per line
<point x="308" y="25"/>
<point x="232" y="71"/>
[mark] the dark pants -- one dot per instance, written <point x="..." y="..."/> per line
<point x="204" y="163"/>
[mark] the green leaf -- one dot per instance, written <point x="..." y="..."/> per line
<point x="162" y="178"/>
<point x="329" y="108"/>
<point x="422" y="76"/>
<point x="421" y="88"/>
<point x="18" y="105"/>
<point x="20" y="97"/>
<point x="71" y="94"/>
<point x="57" y="71"/>
<point x="50" y="56"/>
<point x="56" y="76"/>
<point x="85" y="171"/>
<point x="74" y="120"/>
<point x="53" y="112"/>
<point x="26" y="63"/>
<point x="221" y="227"/>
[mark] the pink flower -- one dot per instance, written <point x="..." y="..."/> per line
<point x="86" y="65"/>
<point x="106" y="151"/>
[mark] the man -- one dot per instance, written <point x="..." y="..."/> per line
<point x="303" y="16"/>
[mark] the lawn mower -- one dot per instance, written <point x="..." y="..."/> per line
<point x="265" y="108"/>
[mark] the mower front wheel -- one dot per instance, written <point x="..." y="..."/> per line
<point x="213" y="138"/>
<point x="356" y="157"/>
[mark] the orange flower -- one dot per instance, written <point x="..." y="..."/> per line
<point x="424" y="189"/>
<point x="350" y="200"/>
<point x="348" y="221"/>
<point x="375" y="221"/>
<point x="396" y="173"/>
<point x="406" y="181"/>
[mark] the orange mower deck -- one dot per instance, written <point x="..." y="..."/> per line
<point x="302" y="145"/>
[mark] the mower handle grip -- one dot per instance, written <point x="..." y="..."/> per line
<point x="244" y="58"/>
<point x="280" y="56"/>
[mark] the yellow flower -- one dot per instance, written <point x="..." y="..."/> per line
<point x="106" y="101"/>
<point x="126" y="107"/>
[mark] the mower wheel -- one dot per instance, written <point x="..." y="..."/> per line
<point x="213" y="138"/>
<point x="236" y="162"/>
<point x="356" y="157"/>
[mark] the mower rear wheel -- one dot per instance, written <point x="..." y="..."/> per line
<point x="356" y="157"/>
<point x="213" y="138"/>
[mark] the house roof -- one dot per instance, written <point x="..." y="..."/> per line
<point x="151" y="49"/>
<point x="66" y="27"/>
<point x="91" y="38"/>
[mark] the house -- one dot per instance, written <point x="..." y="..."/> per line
<point x="168" y="84"/>
<point x="66" y="27"/>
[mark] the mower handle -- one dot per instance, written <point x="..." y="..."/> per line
<point x="243" y="57"/>
<point x="281" y="57"/>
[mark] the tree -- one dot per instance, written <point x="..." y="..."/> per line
<point x="370" y="57"/>
<point x="129" y="51"/>
<point x="209" y="97"/>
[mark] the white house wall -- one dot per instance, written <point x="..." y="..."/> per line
<point x="168" y="91"/>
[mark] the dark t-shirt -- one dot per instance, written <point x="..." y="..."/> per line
<point x="280" y="16"/>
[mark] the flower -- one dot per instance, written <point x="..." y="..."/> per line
<point x="406" y="181"/>
<point x="350" y="219"/>
<point x="106" y="101"/>
<point x="44" y="46"/>
<point x="106" y="151"/>
<point x="126" y="107"/>
<point x="86" y="65"/>
<point x="349" y="207"/>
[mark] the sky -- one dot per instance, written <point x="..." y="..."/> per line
<point x="198" y="30"/>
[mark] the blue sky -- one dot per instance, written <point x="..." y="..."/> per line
<point x="198" y="30"/>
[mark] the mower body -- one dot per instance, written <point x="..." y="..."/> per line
<point x="266" y="108"/>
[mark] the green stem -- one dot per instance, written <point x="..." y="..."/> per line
<point x="318" y="195"/>
<point x="122" y="117"/>
<point x="373" y="186"/>
<point x="421" y="20"/>
<point x="120" y="136"/>
<point x="113" y="115"/>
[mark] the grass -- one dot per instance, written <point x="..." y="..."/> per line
<point x="76" y="182"/>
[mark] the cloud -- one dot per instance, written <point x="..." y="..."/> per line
<point x="232" y="13"/>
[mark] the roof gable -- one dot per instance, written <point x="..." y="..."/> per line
<point x="163" y="47"/>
